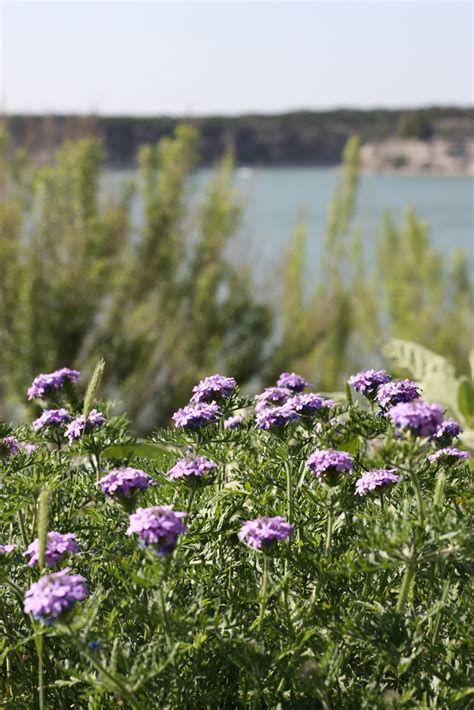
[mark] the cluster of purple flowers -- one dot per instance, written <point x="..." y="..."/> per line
<point x="447" y="431"/>
<point x="328" y="464"/>
<point x="124" y="482"/>
<point x="367" y="382"/>
<point x="392" y="393"/>
<point x="203" y="409"/>
<point x="9" y="446"/>
<point x="157" y="527"/>
<point x="234" y="422"/>
<point x="289" y="408"/>
<point x="51" y="418"/>
<point x="292" y="381"/>
<point x="54" y="594"/>
<point x="271" y="396"/>
<point x="57" y="545"/>
<point x="263" y="532"/>
<point x="374" y="480"/>
<point x="449" y="455"/>
<point x="419" y="417"/>
<point x="213" y="387"/>
<point x="194" y="468"/>
<point x="276" y="417"/>
<point x="196" y="416"/>
<point x="309" y="404"/>
<point x="76" y="428"/>
<point x="43" y="385"/>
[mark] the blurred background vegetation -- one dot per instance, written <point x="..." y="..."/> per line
<point x="168" y="305"/>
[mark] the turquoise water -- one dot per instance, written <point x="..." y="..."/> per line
<point x="273" y="198"/>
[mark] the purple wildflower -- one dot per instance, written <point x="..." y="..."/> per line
<point x="76" y="428"/>
<point x="419" y="417"/>
<point x="157" y="527"/>
<point x="372" y="480"/>
<point x="292" y="381"/>
<point x="367" y="382"/>
<point x="6" y="549"/>
<point x="191" y="469"/>
<point x="449" y="455"/>
<point x="213" y="387"/>
<point x="309" y="404"/>
<point x="233" y="422"/>
<point x="54" y="594"/>
<point x="57" y="545"/>
<point x="43" y="385"/>
<point x="29" y="448"/>
<point x="263" y="532"/>
<point x="392" y="393"/>
<point x="51" y="417"/>
<point x="447" y="431"/>
<point x="276" y="417"/>
<point x="124" y="482"/>
<point x="9" y="446"/>
<point x="271" y="395"/>
<point x="328" y="464"/>
<point x="195" y="416"/>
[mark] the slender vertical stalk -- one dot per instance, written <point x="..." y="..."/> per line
<point x="330" y="523"/>
<point x="164" y="615"/>
<point x="405" y="586"/>
<point x="263" y="597"/>
<point x="419" y="498"/>
<point x="191" y="498"/>
<point x="437" y="622"/>
<point x="289" y="493"/>
<point x="439" y="489"/>
<point x="21" y="522"/>
<point x="381" y="501"/>
<point x="39" y="653"/>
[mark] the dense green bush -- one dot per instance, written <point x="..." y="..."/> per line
<point x="367" y="605"/>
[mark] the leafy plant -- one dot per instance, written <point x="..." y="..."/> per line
<point x="438" y="380"/>
<point x="360" y="600"/>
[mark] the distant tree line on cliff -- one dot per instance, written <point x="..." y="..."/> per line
<point x="297" y="138"/>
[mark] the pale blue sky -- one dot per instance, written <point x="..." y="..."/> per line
<point x="229" y="57"/>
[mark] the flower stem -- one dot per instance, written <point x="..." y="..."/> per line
<point x="39" y="652"/>
<point x="21" y="522"/>
<point x="330" y="523"/>
<point x="164" y="615"/>
<point x="405" y="586"/>
<point x="191" y="498"/>
<point x="419" y="498"/>
<point x="289" y="493"/>
<point x="263" y="598"/>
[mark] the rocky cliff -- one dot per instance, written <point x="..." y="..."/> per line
<point x="425" y="140"/>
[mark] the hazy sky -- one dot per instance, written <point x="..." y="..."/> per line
<point x="229" y="57"/>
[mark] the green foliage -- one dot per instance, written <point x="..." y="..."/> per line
<point x="162" y="305"/>
<point x="367" y="606"/>
<point x="414" y="124"/>
<point x="438" y="381"/>
<point x="166" y="305"/>
<point x="409" y="292"/>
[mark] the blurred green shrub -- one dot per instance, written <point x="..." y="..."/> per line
<point x="166" y="306"/>
<point x="410" y="290"/>
<point x="163" y="308"/>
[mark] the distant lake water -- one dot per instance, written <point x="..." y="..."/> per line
<point x="273" y="198"/>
